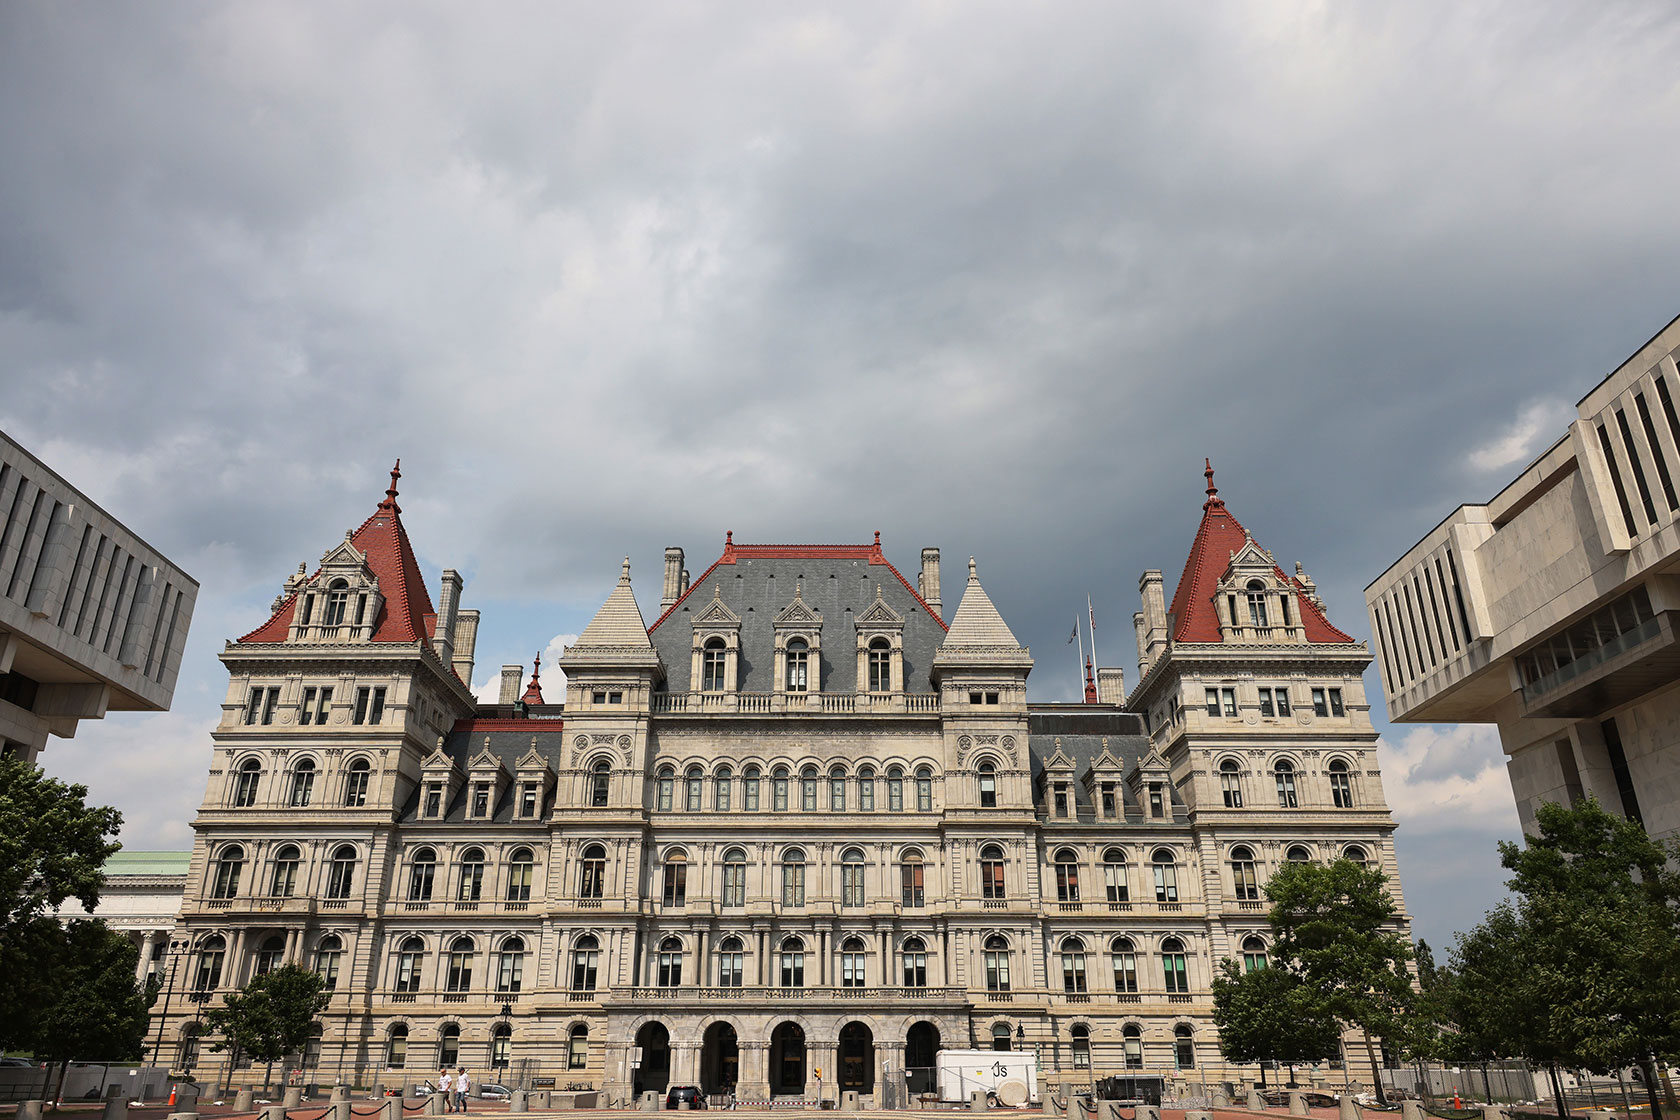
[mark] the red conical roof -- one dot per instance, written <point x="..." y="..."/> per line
<point x="1193" y="617"/>
<point x="407" y="614"/>
<point x="533" y="691"/>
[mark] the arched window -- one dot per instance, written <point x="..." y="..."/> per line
<point x="1166" y="875"/>
<point x="449" y="1045"/>
<point x="790" y="957"/>
<point x="1114" y="876"/>
<point x="1067" y="875"/>
<point x="714" y="658"/>
<point x="779" y="789"/>
<point x="1124" y="959"/>
<point x="1081" y="1046"/>
<point x="1254" y="953"/>
<point x="421" y="871"/>
<point x="284" y="881"/>
<point x="1184" y="1047"/>
<point x="837" y="790"/>
<point x="312" y="1048"/>
<point x="1000" y="1037"/>
<point x="501" y="1045"/>
<point x="793" y="877"/>
<point x="229" y="865"/>
<point x="510" y="965"/>
<point x="1256" y="603"/>
<point x="396" y="1047"/>
<point x="734" y="893"/>
<point x="694" y="784"/>
<point x="676" y="879"/>
<point x="851" y="877"/>
<point x="1173" y="968"/>
<point x="721" y="786"/>
<point x="798" y="665"/>
<point x="409" y="959"/>
<point x="328" y="952"/>
<point x="586" y="960"/>
<point x="988" y="785"/>
<point x="991" y="872"/>
<point x="866" y="789"/>
<point x="212" y="951"/>
<point x="1356" y="854"/>
<point x="338" y="598"/>
<point x="270" y="955"/>
<point x="1285" y="774"/>
<point x="730" y="970"/>
<point x="356" y="784"/>
<point x="895" y="790"/>
<point x="880" y="665"/>
<point x="303" y="783"/>
<point x="1073" y="965"/>
<point x="245" y="784"/>
<point x="471" y="888"/>
<point x="1245" y="885"/>
<point x="600" y="783"/>
<point x="997" y="964"/>
<point x="1230" y="783"/>
<point x="1341" y="785"/>
<point x="1298" y="854"/>
<point x="749" y="789"/>
<point x="592" y="872"/>
<point x="1131" y="1042"/>
<point x="520" y="863"/>
<point x="459" y="978"/>
<point x="852" y="958"/>
<point x="667" y="784"/>
<point x="924" y="790"/>
<point x="808" y="789"/>
<point x="915" y="963"/>
<point x="912" y="879"/>
<point x="577" y="1048"/>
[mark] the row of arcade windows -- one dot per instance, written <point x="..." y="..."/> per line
<point x="369" y="708"/>
<point x="808" y="788"/>
<point x="798" y="677"/>
<point x="1283" y="776"/>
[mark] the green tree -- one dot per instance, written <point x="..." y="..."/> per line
<point x="271" y="1016"/>
<point x="52" y="846"/>
<point x="96" y="1011"/>
<point x="1338" y="930"/>
<point x="1269" y="1015"/>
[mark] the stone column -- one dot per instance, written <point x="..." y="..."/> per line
<point x="754" y="1084"/>
<point x="685" y="1062"/>
<point x="147" y="943"/>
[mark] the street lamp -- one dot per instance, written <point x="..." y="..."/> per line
<point x="177" y="950"/>
<point x="507" y="1040"/>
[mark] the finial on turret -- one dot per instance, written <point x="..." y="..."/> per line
<point x="1212" y="490"/>
<point x="624" y="573"/>
<point x="972" y="574"/>
<point x="391" y="494"/>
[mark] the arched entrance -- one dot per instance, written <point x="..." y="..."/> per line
<point x="720" y="1059"/>
<point x="857" y="1058"/>
<point x="654" y="1042"/>
<point x="920" y="1046"/>
<point x="787" y="1061"/>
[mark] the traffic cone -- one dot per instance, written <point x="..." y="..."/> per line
<point x="172" y="1096"/>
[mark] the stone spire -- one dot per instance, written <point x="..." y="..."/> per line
<point x="977" y="623"/>
<point x="619" y="621"/>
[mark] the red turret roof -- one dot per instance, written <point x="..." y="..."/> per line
<point x="407" y="614"/>
<point x="1194" y="618"/>
<point x="533" y="691"/>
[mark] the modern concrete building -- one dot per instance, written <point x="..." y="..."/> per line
<point x="1551" y="610"/>
<point x="92" y="618"/>
<point x="804" y="820"/>
<point x="141" y="899"/>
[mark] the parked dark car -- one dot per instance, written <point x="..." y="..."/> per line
<point x="689" y="1093"/>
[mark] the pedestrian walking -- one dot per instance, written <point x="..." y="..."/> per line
<point x="446" y="1086"/>
<point x="462" y="1084"/>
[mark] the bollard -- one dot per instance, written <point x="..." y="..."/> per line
<point x="650" y="1102"/>
<point x="1108" y="1110"/>
<point x="519" y="1101"/>
<point x="183" y="1116"/>
<point x="1297" y="1103"/>
<point x="116" y="1108"/>
<point x="1053" y="1105"/>
<point x="293" y="1096"/>
<point x="539" y="1098"/>
<point x="977" y="1100"/>
<point x="1600" y="1114"/>
<point x="1492" y="1112"/>
<point x="242" y="1101"/>
<point x="390" y="1108"/>
<point x="1218" y="1098"/>
<point x="29" y="1110"/>
<point x="849" y="1101"/>
<point x="1195" y="1115"/>
<point x="1256" y="1103"/>
<point x="272" y="1112"/>
<point x="1411" y="1110"/>
<point x="1148" y="1112"/>
<point x="340" y="1110"/>
<point x="1347" y="1108"/>
<point x="339" y="1093"/>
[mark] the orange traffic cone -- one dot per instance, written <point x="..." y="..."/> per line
<point x="172" y="1096"/>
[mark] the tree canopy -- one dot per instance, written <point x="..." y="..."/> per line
<point x="96" y="1011"/>
<point x="271" y="1016"/>
<point x="1270" y="1015"/>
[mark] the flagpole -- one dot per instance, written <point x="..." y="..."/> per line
<point x="1081" y="637"/>
<point x="1093" y="614"/>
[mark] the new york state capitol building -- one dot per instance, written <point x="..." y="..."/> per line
<point x="804" y="820"/>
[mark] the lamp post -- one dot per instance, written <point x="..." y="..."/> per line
<point x="177" y="950"/>
<point x="507" y="1045"/>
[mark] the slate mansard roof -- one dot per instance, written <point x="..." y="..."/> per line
<point x="839" y="582"/>
<point x="1082" y="732"/>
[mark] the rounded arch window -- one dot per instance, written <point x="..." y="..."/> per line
<point x="284" y="881"/>
<point x="1173" y="966"/>
<point x="851" y="877"/>
<point x="338" y="598"/>
<point x="328" y="952"/>
<point x="730" y="944"/>
<point x="714" y="660"/>
<point x="245" y="783"/>
<point x="1184" y="1047"/>
<point x="880" y="665"/>
<point x="924" y="790"/>
<point x="793" y="877"/>
<point x="790" y="955"/>
<point x="449" y="1045"/>
<point x="1115" y="884"/>
<point x="669" y="969"/>
<point x="396" y="1047"/>
<point x="694" y="784"/>
<point x="1165" y="866"/>
<point x="734" y="878"/>
<point x="1341" y="785"/>
<point x="1245" y="882"/>
<point x="1123" y="957"/>
<point x="912" y="876"/>
<point x="675" y="893"/>
<point x="592" y="872"/>
<point x="1255" y="593"/>
<point x="270" y="954"/>
<point x="1254" y="953"/>
<point x="230" y="864"/>
<point x="356" y="783"/>
<point x="1067" y="875"/>
<point x="1298" y="854"/>
<point x="798" y="676"/>
<point x="1354" y="853"/>
<point x="303" y="783"/>
<point x="997" y="941"/>
<point x="600" y="779"/>
<point x="722" y="787"/>
<point x="1131" y="1045"/>
<point x="586" y="961"/>
<point x="1230" y="783"/>
<point x="510" y="965"/>
<point x="521" y="863"/>
<point x="987" y="772"/>
<point x="1073" y="965"/>
<point x="1081" y="1035"/>
<point x="808" y="789"/>
<point x="991" y="872"/>
<point x="1000" y="1036"/>
<point x="458" y="975"/>
<point x="1284" y="774"/>
<point x="410" y="954"/>
<point x="577" y="1047"/>
<point x="914" y="945"/>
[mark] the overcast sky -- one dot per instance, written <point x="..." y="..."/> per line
<point x="988" y="277"/>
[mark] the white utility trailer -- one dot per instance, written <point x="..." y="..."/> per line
<point x="1011" y="1074"/>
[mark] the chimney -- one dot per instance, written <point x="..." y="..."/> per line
<point x="1142" y="641"/>
<point x="1154" y="614"/>
<point x="513" y="683"/>
<point x="466" y="640"/>
<point x="449" y="601"/>
<point x="676" y="579"/>
<point x="927" y="582"/>
<point x="1111" y="686"/>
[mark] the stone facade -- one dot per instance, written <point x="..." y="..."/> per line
<point x="799" y="823"/>
<point x="92" y="618"/>
<point x="1551" y="610"/>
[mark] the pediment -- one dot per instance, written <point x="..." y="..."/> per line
<point x="1058" y="760"/>
<point x="798" y="612"/>
<point x="1251" y="559"/>
<point x="438" y="760"/>
<point x="344" y="555"/>
<point x="717" y="612"/>
<point x="531" y="760"/>
<point x="879" y="614"/>
<point x="1152" y="764"/>
<point x="484" y="760"/>
<point x="1106" y="762"/>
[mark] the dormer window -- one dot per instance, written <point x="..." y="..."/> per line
<point x="1256" y="603"/>
<point x="714" y="663"/>
<point x="880" y="665"/>
<point x="338" y="600"/>
<point x="481" y="800"/>
<point x="798" y="665"/>
<point x="434" y="801"/>
<point x="1157" y="800"/>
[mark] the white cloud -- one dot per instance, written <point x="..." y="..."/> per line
<point x="553" y="677"/>
<point x="1539" y="424"/>
<point x="1450" y="777"/>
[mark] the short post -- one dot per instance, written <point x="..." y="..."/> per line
<point x="519" y="1101"/>
<point x="341" y="1109"/>
<point x="29" y="1110"/>
<point x="1148" y="1112"/>
<point x="1256" y="1103"/>
<point x="339" y="1093"/>
<point x="977" y="1100"/>
<point x="116" y="1108"/>
<point x="1297" y="1103"/>
<point x="649" y="1101"/>
<point x="272" y="1112"/>
<point x="1493" y="1112"/>
<point x="1347" y="1108"/>
<point x="1194" y="1114"/>
<point x="391" y="1108"/>
<point x="293" y="1096"/>
<point x="183" y="1116"/>
<point x="1411" y="1109"/>
<point x="242" y="1100"/>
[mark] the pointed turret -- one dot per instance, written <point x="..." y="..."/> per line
<point x="979" y="639"/>
<point x="533" y="691"/>
<point x="615" y="639"/>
